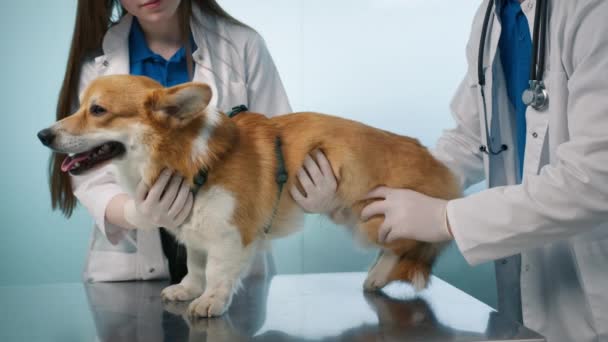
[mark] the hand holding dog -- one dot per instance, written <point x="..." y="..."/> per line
<point x="319" y="185"/>
<point x="408" y="215"/>
<point x="166" y="204"/>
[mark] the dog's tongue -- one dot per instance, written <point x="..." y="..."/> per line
<point x="69" y="162"/>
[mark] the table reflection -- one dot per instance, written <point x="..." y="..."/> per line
<point x="316" y="307"/>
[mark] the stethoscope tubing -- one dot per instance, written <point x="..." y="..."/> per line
<point x="537" y="67"/>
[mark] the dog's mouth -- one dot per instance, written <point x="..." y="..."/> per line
<point x="81" y="162"/>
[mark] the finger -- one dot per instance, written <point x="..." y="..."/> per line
<point x="325" y="166"/>
<point x="180" y="200"/>
<point x="391" y="236"/>
<point x="141" y="191"/>
<point x="384" y="232"/>
<point x="159" y="186"/>
<point x="373" y="209"/>
<point x="379" y="192"/>
<point x="313" y="170"/>
<point x="170" y="192"/>
<point x="305" y="181"/>
<point x="183" y="215"/>
<point x="297" y="195"/>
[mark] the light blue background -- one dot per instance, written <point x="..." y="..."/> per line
<point x="393" y="64"/>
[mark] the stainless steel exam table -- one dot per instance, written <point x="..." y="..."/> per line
<point x="308" y="307"/>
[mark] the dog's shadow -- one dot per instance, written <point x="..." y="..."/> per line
<point x="398" y="320"/>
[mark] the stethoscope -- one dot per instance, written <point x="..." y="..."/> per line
<point x="536" y="95"/>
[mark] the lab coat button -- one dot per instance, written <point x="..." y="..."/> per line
<point x="535" y="135"/>
<point x="527" y="268"/>
<point x="151" y="270"/>
<point x="105" y="63"/>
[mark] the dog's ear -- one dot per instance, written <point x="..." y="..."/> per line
<point x="182" y="102"/>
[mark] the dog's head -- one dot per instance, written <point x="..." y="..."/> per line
<point x="125" y="117"/>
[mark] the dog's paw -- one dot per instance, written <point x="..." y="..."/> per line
<point x="179" y="292"/>
<point x="176" y="308"/>
<point x="374" y="282"/>
<point x="208" y="305"/>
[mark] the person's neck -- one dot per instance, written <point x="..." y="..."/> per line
<point x="164" y="38"/>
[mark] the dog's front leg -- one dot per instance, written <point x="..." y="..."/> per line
<point x="193" y="283"/>
<point x="226" y="263"/>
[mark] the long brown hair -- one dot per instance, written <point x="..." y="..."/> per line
<point x="93" y="19"/>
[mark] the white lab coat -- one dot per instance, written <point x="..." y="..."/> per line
<point x="557" y="217"/>
<point x="235" y="62"/>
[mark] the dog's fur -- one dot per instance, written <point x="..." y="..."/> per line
<point x="175" y="128"/>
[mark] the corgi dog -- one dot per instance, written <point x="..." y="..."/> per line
<point x="144" y="128"/>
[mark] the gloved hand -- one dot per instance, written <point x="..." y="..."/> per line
<point x="408" y="215"/>
<point x="319" y="184"/>
<point x="166" y="204"/>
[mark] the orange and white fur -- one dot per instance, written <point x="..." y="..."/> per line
<point x="175" y="128"/>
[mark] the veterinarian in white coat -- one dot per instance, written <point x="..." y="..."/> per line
<point x="235" y="62"/>
<point x="557" y="216"/>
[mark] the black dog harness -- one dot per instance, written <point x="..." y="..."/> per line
<point x="281" y="175"/>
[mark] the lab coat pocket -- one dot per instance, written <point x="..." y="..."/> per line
<point x="591" y="258"/>
<point x="110" y="266"/>
<point x="557" y="88"/>
<point x="538" y="122"/>
<point x="556" y="84"/>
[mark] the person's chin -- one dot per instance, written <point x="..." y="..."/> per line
<point x="154" y="17"/>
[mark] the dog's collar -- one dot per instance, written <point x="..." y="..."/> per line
<point x="281" y="176"/>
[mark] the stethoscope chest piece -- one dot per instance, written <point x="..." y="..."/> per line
<point x="536" y="96"/>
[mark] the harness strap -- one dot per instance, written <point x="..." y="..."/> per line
<point x="281" y="175"/>
<point x="281" y="179"/>
<point x="201" y="177"/>
<point x="236" y="110"/>
<point x="199" y="180"/>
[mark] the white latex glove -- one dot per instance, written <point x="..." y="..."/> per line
<point x="408" y="215"/>
<point x="319" y="184"/>
<point x="166" y="204"/>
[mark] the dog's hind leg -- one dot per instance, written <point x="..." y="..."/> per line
<point x="415" y="272"/>
<point x="390" y="267"/>
<point x="193" y="283"/>
<point x="378" y="275"/>
<point x="227" y="261"/>
<point x="404" y="259"/>
<point x="415" y="264"/>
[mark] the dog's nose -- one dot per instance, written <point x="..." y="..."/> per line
<point x="46" y="136"/>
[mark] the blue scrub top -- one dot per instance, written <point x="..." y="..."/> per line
<point x="144" y="62"/>
<point x="515" y="47"/>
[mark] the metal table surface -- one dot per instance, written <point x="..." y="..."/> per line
<point x="310" y="307"/>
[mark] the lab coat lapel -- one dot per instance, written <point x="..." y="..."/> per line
<point x="203" y="70"/>
<point x="203" y="73"/>
<point x="115" y="60"/>
<point x="537" y="122"/>
<point x="488" y="68"/>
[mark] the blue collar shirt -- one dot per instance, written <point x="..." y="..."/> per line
<point x="143" y="61"/>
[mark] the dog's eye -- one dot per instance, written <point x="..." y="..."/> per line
<point x="97" y="110"/>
